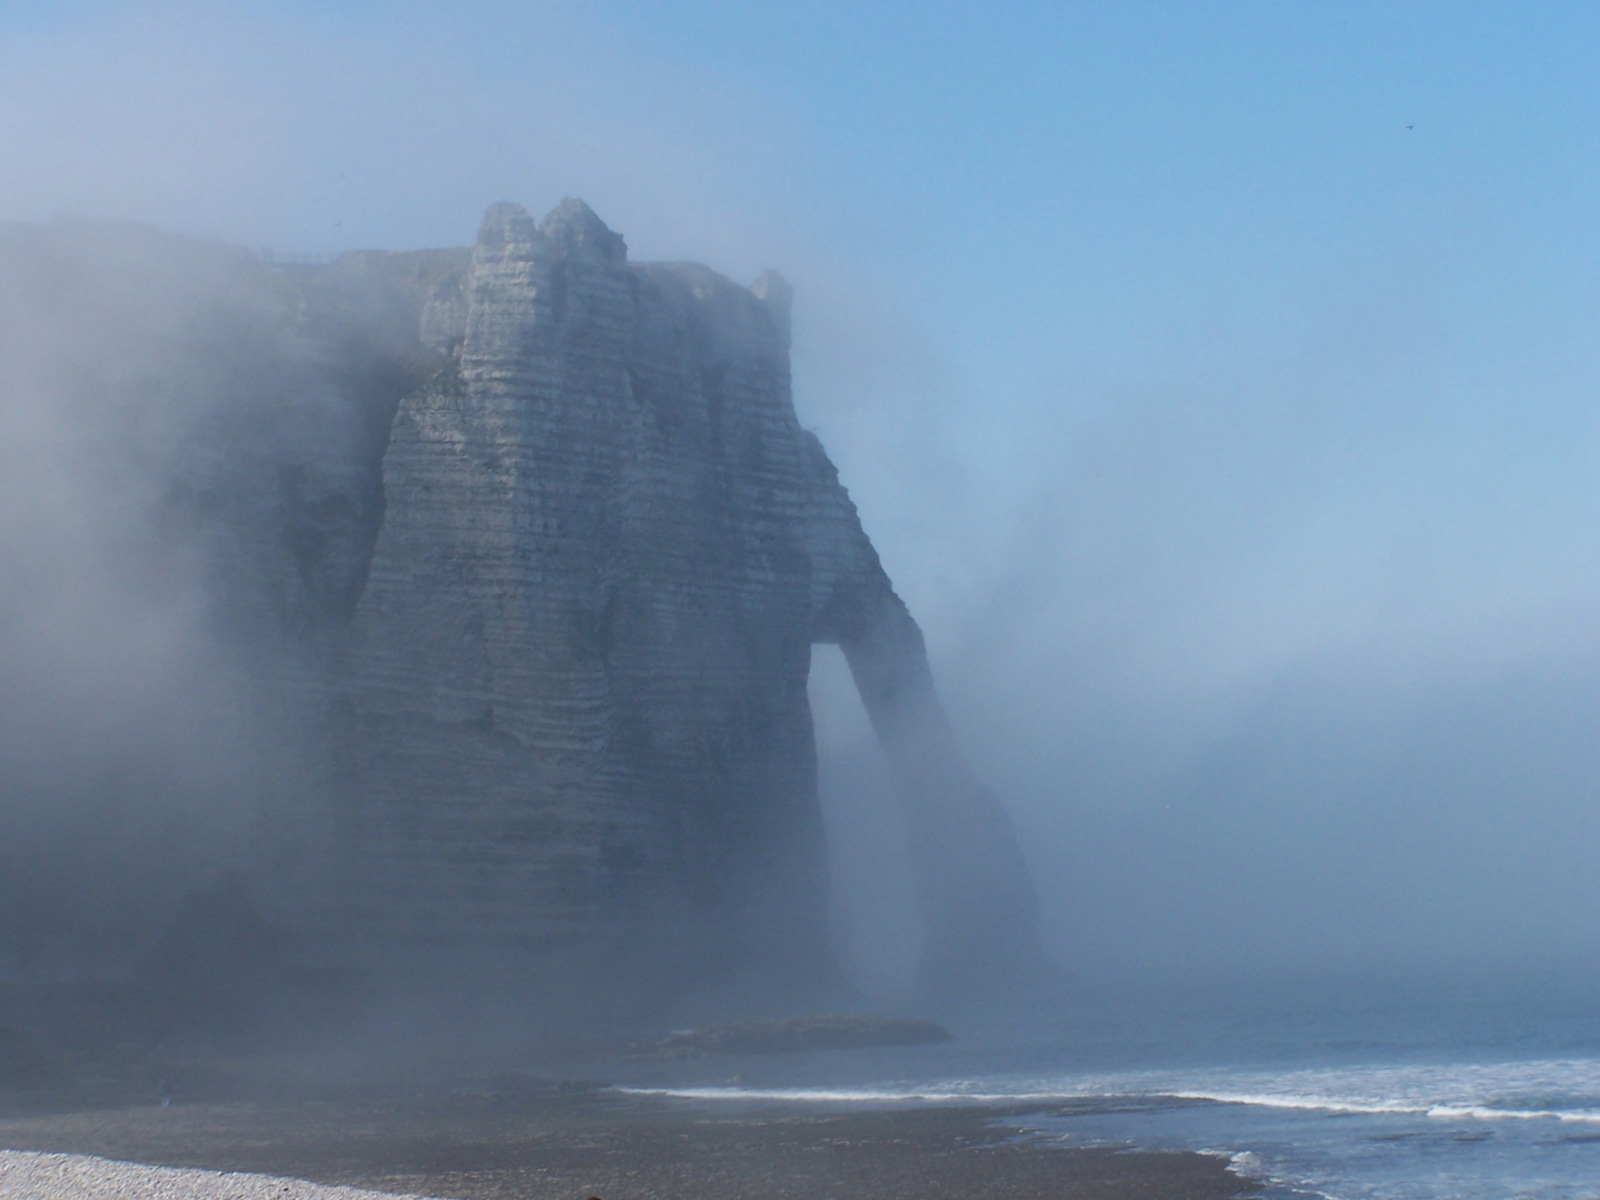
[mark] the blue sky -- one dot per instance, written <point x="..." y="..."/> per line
<point x="1215" y="378"/>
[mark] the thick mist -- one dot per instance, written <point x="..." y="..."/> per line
<point x="191" y="445"/>
<point x="1303" y="683"/>
<point x="121" y="749"/>
<point x="1239" y="466"/>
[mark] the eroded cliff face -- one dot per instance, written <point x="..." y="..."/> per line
<point x="528" y="589"/>
<point x="581" y="654"/>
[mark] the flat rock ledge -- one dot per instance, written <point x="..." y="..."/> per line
<point x="27" y="1175"/>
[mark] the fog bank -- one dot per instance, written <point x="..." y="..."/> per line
<point x="1219" y="393"/>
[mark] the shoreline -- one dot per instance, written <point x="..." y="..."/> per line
<point x="498" y="1146"/>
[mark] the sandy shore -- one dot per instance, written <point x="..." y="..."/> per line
<point x="497" y="1147"/>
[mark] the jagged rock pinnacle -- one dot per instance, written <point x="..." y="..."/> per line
<point x="573" y="225"/>
<point x="506" y="222"/>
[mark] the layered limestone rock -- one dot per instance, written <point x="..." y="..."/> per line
<point x="582" y="649"/>
<point x="525" y="551"/>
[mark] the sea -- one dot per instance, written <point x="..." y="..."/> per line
<point x="1479" y="1087"/>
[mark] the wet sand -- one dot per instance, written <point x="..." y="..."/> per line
<point x="498" y="1147"/>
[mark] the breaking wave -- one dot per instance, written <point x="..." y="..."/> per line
<point x="1556" y="1090"/>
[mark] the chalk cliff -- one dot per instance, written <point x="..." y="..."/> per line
<point x="582" y="649"/>
<point x="533" y="584"/>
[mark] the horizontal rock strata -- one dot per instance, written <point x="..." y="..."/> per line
<point x="524" y="551"/>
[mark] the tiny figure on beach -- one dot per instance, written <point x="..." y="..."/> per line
<point x="166" y="1094"/>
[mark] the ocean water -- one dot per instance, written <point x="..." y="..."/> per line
<point x="1458" y="1089"/>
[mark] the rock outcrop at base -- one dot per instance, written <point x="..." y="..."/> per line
<point x="532" y="589"/>
<point x="830" y="1031"/>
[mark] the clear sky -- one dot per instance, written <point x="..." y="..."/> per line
<point x="1219" y="380"/>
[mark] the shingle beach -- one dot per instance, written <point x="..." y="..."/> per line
<point x="25" y="1175"/>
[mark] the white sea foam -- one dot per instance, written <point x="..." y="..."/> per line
<point x="1245" y="1164"/>
<point x="1475" y="1092"/>
<point x="1480" y="1112"/>
<point x="938" y="1094"/>
<point x="1561" y="1090"/>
